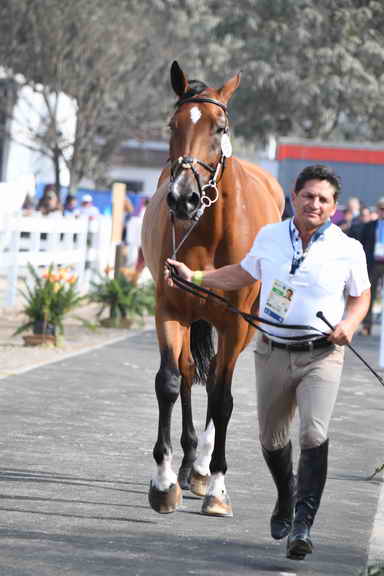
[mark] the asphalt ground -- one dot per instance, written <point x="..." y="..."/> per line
<point x="76" y="460"/>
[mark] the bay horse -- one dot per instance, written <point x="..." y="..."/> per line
<point x="207" y="210"/>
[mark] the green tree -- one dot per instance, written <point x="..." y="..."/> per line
<point x="312" y="69"/>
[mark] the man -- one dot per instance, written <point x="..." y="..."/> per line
<point x="372" y="239"/>
<point x="354" y="205"/>
<point x="87" y="207"/>
<point x="306" y="264"/>
<point x="356" y="229"/>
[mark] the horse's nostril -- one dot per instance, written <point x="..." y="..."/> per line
<point x="194" y="199"/>
<point x="171" y="200"/>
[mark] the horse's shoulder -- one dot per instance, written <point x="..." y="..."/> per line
<point x="267" y="180"/>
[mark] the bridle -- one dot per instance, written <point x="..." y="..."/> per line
<point x="190" y="163"/>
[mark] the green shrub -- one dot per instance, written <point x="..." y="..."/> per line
<point x="122" y="297"/>
<point x="52" y="295"/>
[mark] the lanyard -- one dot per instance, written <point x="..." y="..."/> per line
<point x="297" y="261"/>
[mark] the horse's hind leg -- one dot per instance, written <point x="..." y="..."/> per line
<point x="165" y="493"/>
<point x="188" y="435"/>
<point x="200" y="472"/>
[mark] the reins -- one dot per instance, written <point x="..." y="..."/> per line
<point x="205" y="294"/>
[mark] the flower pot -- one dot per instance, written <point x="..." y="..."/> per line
<point x="45" y="329"/>
<point x="39" y="340"/>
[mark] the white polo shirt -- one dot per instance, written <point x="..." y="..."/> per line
<point x="334" y="267"/>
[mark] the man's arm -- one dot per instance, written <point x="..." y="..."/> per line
<point x="356" y="309"/>
<point x="232" y="277"/>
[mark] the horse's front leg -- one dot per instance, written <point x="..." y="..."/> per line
<point x="164" y="492"/>
<point x="188" y="435"/>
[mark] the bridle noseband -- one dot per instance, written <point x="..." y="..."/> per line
<point x="190" y="163"/>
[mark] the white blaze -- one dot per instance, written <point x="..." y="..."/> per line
<point x="195" y="114"/>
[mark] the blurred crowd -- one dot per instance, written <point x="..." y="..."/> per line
<point x="366" y="224"/>
<point x="50" y="203"/>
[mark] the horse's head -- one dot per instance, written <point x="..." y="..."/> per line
<point x="199" y="143"/>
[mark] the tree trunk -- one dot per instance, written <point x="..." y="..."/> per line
<point x="56" y="165"/>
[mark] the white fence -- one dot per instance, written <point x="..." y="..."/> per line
<point x="83" y="244"/>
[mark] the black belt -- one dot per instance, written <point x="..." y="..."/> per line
<point x="299" y="346"/>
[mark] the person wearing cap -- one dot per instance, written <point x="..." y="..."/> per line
<point x="372" y="239"/>
<point x="305" y="264"/>
<point x="87" y="207"/>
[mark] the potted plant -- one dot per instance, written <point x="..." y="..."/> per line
<point x="123" y="298"/>
<point x="48" y="299"/>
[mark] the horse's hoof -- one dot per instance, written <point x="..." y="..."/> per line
<point x="184" y="478"/>
<point x="165" y="502"/>
<point x="198" y="483"/>
<point x="213" y="506"/>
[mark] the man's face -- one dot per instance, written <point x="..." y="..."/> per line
<point x="314" y="204"/>
<point x="380" y="211"/>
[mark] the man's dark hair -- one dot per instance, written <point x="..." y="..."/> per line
<point x="319" y="172"/>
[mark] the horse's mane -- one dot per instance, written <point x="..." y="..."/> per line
<point x="194" y="87"/>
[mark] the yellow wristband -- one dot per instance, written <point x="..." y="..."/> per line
<point x="197" y="277"/>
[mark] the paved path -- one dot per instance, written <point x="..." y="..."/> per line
<point x="77" y="439"/>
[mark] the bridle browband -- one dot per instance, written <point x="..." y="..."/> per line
<point x="190" y="163"/>
<point x="192" y="99"/>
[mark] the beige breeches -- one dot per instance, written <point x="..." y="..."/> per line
<point x="285" y="381"/>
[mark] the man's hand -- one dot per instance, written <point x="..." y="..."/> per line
<point x="181" y="269"/>
<point x="342" y="333"/>
<point x="357" y="307"/>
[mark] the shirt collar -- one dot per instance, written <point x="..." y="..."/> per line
<point x="316" y="235"/>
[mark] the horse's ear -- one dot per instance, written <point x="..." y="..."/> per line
<point x="178" y="79"/>
<point x="229" y="88"/>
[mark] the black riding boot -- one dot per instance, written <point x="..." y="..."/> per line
<point x="280" y="465"/>
<point x="311" y="478"/>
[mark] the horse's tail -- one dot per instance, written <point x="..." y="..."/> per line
<point x="202" y="349"/>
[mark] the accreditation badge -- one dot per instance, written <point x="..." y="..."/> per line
<point x="279" y="301"/>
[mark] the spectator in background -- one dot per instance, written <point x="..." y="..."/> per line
<point x="133" y="238"/>
<point x="87" y="207"/>
<point x="346" y="223"/>
<point x="70" y="206"/>
<point x="374" y="214"/>
<point x="128" y="212"/>
<point x="49" y="203"/>
<point x="372" y="238"/>
<point x="354" y="205"/>
<point x="28" y="206"/>
<point x="356" y="228"/>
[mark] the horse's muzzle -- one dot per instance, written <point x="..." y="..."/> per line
<point x="184" y="205"/>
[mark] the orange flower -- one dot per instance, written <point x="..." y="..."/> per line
<point x="54" y="277"/>
<point x="63" y="273"/>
